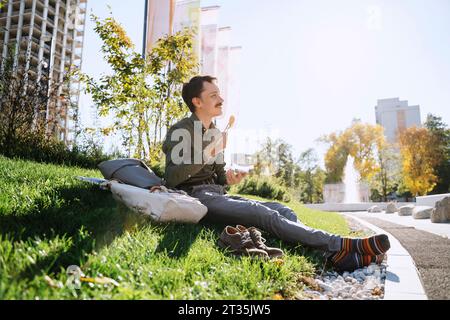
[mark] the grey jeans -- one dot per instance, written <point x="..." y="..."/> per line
<point x="273" y="217"/>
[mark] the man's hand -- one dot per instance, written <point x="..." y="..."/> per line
<point x="155" y="188"/>
<point x="234" y="177"/>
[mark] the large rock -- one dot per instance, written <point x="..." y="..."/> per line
<point x="406" y="210"/>
<point x="374" y="209"/>
<point x="422" y="212"/>
<point x="391" y="207"/>
<point x="441" y="211"/>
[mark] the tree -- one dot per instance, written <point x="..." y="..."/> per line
<point x="285" y="164"/>
<point x="335" y="157"/>
<point x="361" y="141"/>
<point x="420" y="156"/>
<point x="267" y="157"/>
<point x="23" y="106"/>
<point x="303" y="178"/>
<point x="441" y="132"/>
<point x="142" y="95"/>
<point x="387" y="178"/>
<point x="311" y="177"/>
<point x="365" y="141"/>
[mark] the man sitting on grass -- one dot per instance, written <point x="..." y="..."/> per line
<point x="196" y="165"/>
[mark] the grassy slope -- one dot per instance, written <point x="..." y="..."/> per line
<point x="49" y="220"/>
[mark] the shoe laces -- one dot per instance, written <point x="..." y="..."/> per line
<point x="246" y="240"/>
<point x="256" y="235"/>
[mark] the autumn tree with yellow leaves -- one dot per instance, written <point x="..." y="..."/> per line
<point x="418" y="147"/>
<point x="360" y="141"/>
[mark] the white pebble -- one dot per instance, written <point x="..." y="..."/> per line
<point x="324" y="286"/>
<point x="371" y="285"/>
<point x="366" y="271"/>
<point x="356" y="285"/>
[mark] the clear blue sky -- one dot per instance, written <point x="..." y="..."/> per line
<point x="309" y="67"/>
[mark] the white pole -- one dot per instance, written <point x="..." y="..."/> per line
<point x="6" y="38"/>
<point x="19" y="34"/>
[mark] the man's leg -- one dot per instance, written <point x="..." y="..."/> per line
<point x="285" y="211"/>
<point x="232" y="210"/>
<point x="372" y="246"/>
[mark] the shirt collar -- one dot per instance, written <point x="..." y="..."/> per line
<point x="194" y="117"/>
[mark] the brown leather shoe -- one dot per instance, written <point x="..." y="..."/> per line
<point x="240" y="243"/>
<point x="259" y="241"/>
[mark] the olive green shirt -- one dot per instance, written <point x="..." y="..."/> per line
<point x="187" y="174"/>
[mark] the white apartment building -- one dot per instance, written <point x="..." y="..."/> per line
<point x="395" y="115"/>
<point x="47" y="37"/>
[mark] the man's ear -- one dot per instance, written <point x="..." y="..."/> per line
<point x="196" y="102"/>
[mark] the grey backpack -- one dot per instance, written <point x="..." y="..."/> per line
<point x="130" y="171"/>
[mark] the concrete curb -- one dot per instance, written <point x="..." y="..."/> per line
<point x="402" y="278"/>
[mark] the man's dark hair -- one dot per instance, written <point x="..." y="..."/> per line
<point x="193" y="89"/>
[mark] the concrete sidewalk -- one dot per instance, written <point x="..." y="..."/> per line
<point x="428" y="253"/>
<point x="440" y="229"/>
<point x="402" y="279"/>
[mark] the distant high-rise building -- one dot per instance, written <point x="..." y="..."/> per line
<point x="242" y="159"/>
<point x="395" y="116"/>
<point x="47" y="37"/>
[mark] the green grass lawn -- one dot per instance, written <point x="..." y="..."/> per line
<point x="50" y="220"/>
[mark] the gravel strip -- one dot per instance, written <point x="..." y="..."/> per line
<point x="362" y="284"/>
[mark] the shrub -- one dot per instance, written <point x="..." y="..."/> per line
<point x="49" y="150"/>
<point x="265" y="187"/>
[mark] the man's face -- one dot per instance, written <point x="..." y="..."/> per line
<point x="210" y="101"/>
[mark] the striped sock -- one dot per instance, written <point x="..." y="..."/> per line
<point x="350" y="261"/>
<point x="367" y="246"/>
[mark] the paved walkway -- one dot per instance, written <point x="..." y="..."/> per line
<point x="426" y="251"/>
<point x="441" y="229"/>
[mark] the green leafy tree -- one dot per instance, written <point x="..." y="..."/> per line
<point x="303" y="178"/>
<point x="285" y="164"/>
<point x="267" y="158"/>
<point x="310" y="177"/>
<point x="387" y="178"/>
<point x="142" y="95"/>
<point x="441" y="132"/>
